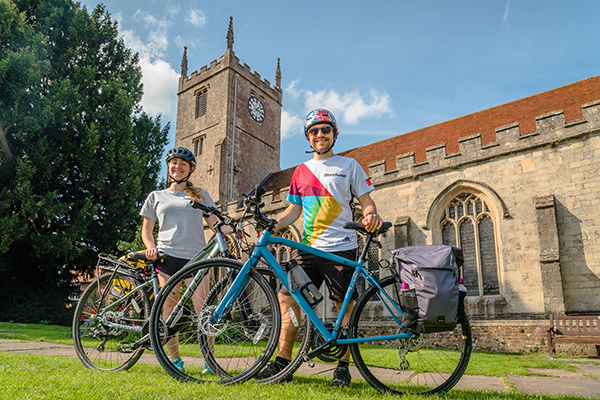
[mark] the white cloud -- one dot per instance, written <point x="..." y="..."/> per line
<point x="188" y="42"/>
<point x="350" y="108"/>
<point x="157" y="41"/>
<point x="291" y="89"/>
<point x="158" y="76"/>
<point x="196" y="18"/>
<point x="505" y="17"/>
<point x="159" y="79"/>
<point x="291" y="124"/>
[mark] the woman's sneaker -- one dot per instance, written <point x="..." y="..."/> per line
<point x="207" y="370"/>
<point x="273" y="369"/>
<point x="341" y="377"/>
<point x="178" y="363"/>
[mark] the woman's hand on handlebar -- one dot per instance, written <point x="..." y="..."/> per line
<point x="151" y="253"/>
<point x="238" y="230"/>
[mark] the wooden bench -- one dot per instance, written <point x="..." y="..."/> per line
<point x="564" y="329"/>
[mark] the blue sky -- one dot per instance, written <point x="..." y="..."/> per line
<point x="383" y="67"/>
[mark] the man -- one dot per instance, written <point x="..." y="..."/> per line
<point x="322" y="190"/>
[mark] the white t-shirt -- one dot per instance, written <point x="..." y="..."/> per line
<point x="324" y="189"/>
<point x="181" y="227"/>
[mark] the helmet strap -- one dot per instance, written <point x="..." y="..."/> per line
<point x="323" y="152"/>
<point x="173" y="180"/>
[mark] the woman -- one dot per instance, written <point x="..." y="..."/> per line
<point x="180" y="229"/>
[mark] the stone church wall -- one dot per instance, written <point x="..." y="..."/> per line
<point x="556" y="160"/>
<point x="516" y="174"/>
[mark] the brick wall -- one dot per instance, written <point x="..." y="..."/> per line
<point x="522" y="336"/>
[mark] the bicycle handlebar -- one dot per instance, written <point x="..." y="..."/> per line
<point x="137" y="255"/>
<point x="264" y="222"/>
<point x="224" y="219"/>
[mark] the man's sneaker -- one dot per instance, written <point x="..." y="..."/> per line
<point x="178" y="363"/>
<point x="273" y="369"/>
<point x="341" y="377"/>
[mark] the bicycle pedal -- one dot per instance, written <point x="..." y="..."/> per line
<point x="307" y="360"/>
<point x="125" y="347"/>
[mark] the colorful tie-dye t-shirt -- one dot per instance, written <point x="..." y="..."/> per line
<point x="324" y="189"/>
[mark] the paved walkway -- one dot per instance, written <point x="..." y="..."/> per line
<point x="585" y="383"/>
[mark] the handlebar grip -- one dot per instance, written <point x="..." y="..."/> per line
<point x="141" y="255"/>
<point x="200" y="206"/>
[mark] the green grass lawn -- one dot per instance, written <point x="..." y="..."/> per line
<point x="37" y="332"/>
<point x="26" y="376"/>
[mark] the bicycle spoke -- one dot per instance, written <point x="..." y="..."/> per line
<point x="429" y="363"/>
<point x="108" y="319"/>
<point x="233" y="347"/>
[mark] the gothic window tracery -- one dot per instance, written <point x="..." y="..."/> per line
<point x="282" y="253"/>
<point x="467" y="223"/>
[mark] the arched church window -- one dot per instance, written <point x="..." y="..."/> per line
<point x="467" y="223"/>
<point x="282" y="253"/>
<point x="198" y="145"/>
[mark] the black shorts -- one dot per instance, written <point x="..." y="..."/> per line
<point x="337" y="277"/>
<point x="170" y="265"/>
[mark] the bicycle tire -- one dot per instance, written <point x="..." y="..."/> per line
<point x="243" y="342"/>
<point x="428" y="364"/>
<point x="98" y="345"/>
<point x="305" y="333"/>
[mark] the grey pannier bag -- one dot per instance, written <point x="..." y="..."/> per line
<point x="431" y="270"/>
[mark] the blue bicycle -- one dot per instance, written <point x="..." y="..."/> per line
<point x="235" y="331"/>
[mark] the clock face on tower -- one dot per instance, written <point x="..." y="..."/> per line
<point x="256" y="109"/>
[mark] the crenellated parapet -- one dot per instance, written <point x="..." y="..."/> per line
<point x="271" y="203"/>
<point x="229" y="61"/>
<point x="551" y="129"/>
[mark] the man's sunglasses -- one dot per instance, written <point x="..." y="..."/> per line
<point x="315" y="131"/>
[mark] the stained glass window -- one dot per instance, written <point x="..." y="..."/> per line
<point x="473" y="232"/>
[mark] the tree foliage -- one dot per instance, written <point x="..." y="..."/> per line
<point x="78" y="153"/>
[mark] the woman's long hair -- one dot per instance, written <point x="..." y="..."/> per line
<point x="194" y="192"/>
<point x="191" y="190"/>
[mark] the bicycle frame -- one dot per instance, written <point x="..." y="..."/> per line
<point x="261" y="251"/>
<point x="212" y="249"/>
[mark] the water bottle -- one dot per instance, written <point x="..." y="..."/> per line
<point x="307" y="289"/>
<point x="408" y="302"/>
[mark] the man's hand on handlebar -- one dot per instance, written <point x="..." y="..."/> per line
<point x="261" y="227"/>
<point x="372" y="222"/>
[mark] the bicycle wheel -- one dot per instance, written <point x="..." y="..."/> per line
<point x="234" y="347"/>
<point x="304" y="338"/>
<point x="103" y="334"/>
<point x="430" y="363"/>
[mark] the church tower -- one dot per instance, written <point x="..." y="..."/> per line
<point x="230" y="119"/>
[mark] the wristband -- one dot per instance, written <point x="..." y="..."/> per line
<point x="374" y="213"/>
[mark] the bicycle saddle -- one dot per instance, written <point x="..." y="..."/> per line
<point x="361" y="228"/>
